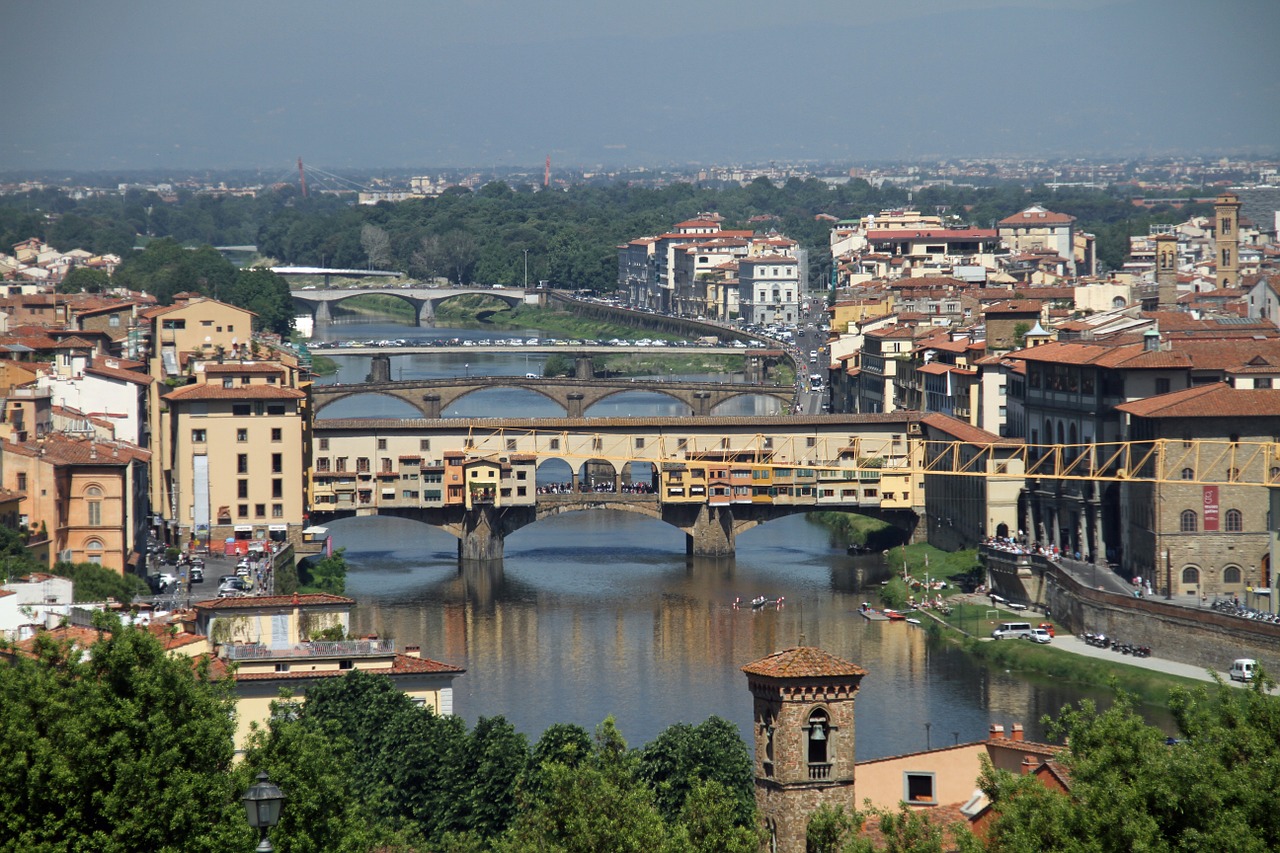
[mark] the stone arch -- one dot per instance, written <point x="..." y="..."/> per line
<point x="554" y="471"/>
<point x="510" y="300"/>
<point x="548" y="510"/>
<point x="761" y="393"/>
<point x="516" y="382"/>
<point x="1190" y="576"/>
<point x="641" y="390"/>
<point x="1232" y="576"/>
<point x="92" y="490"/>
<point x="598" y="475"/>
<point x="415" y="304"/>
<point x="818" y="735"/>
<point x="1118" y="302"/>
<point x="331" y="398"/>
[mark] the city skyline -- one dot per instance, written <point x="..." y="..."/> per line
<point x="494" y="83"/>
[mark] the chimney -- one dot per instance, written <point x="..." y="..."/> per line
<point x="997" y="732"/>
<point x="1029" y="764"/>
<point x="1016" y="732"/>
<point x="413" y="651"/>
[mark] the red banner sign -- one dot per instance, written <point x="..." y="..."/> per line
<point x="1210" y="508"/>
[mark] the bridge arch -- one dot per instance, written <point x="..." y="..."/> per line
<point x="674" y="396"/>
<point x="516" y="383"/>
<point x="763" y="393"/>
<point x="331" y="400"/>
<point x="510" y="300"/>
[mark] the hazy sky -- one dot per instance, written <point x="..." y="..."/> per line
<point x="389" y="83"/>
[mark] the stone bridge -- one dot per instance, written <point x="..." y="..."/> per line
<point x="431" y="397"/>
<point x="424" y="300"/>
<point x="710" y="531"/>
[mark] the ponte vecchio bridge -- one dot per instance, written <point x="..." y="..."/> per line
<point x="711" y="477"/>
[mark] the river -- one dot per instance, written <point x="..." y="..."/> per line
<point x="601" y="613"/>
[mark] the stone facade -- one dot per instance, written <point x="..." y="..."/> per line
<point x="804" y="739"/>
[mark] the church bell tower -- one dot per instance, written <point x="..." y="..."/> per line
<point x="804" y="743"/>
<point x="1167" y="271"/>
<point x="1226" y="210"/>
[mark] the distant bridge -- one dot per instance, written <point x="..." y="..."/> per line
<point x="432" y="396"/>
<point x="423" y="299"/>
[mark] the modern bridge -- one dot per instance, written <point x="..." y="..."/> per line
<point x="575" y="396"/>
<point x="423" y="299"/>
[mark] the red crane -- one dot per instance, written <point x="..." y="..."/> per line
<point x="546" y="173"/>
<point x="302" y="175"/>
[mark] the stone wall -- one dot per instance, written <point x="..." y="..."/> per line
<point x="1191" y="635"/>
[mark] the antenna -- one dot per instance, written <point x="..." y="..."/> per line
<point x="302" y="175"/>
<point x="546" y="173"/>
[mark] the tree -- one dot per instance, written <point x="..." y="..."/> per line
<point x="265" y="294"/>
<point x="118" y="747"/>
<point x="328" y="574"/>
<point x="684" y="755"/>
<point x="557" y="364"/>
<point x="829" y="828"/>
<point x="376" y="245"/>
<point x="92" y="582"/>
<point x="1132" y="789"/>
<point x="84" y="280"/>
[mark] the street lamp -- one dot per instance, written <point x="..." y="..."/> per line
<point x="262" y="804"/>
<point x="526" y="269"/>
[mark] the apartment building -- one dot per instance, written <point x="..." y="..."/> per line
<point x="234" y="463"/>
<point x="769" y="289"/>
<point x="1036" y="230"/>
<point x="85" y="500"/>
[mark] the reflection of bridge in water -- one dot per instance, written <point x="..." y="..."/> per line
<point x="575" y="396"/>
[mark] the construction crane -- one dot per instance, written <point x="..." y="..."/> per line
<point x="302" y="176"/>
<point x="546" y="173"/>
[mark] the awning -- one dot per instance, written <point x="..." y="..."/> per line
<point x="277" y="527"/>
<point x="244" y="528"/>
<point x="315" y="531"/>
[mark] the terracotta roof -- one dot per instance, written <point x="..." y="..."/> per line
<point x="61" y="450"/>
<point x="803" y="662"/>
<point x="1037" y="215"/>
<point x="964" y="431"/>
<point x="256" y="367"/>
<point x="1209" y="401"/>
<point x="965" y="234"/>
<point x="401" y="664"/>
<point x="1015" y="306"/>
<point x="114" y="369"/>
<point x="206" y="391"/>
<point x="310" y="599"/>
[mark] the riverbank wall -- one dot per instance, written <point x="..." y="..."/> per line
<point x="1193" y="635"/>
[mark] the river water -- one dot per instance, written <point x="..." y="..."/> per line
<point x="601" y="613"/>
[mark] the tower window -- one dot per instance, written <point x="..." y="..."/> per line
<point x="918" y="788"/>
<point x="819" y="731"/>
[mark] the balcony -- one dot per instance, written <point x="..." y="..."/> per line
<point x="820" y="771"/>
<point x="326" y="649"/>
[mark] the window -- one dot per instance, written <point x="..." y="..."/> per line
<point x="322" y="463"/>
<point x="277" y="488"/>
<point x="386" y="465"/>
<point x="511" y="444"/>
<point x="260" y="510"/>
<point x="275" y="408"/>
<point x="277" y="434"/>
<point x="1188" y="522"/>
<point x="382" y="444"/>
<point x="918" y="788"/>
<point x="1263" y="382"/>
<point x="114" y="321"/>
<point x="277" y="510"/>
<point x="22" y="482"/>
<point x="639" y="444"/>
<point x="1231" y="575"/>
<point x="819" y="728"/>
<point x="242" y="435"/>
<point x="555" y="444"/>
<point x="227" y="382"/>
<point x="173" y="324"/>
<point x="242" y="463"/>
<point x="240" y="409"/>
<point x="424" y="444"/>
<point x="597" y="443"/>
<point x="1191" y="575"/>
<point x="1234" y="521"/>
<point x="362" y="464"/>
<point x="95" y="513"/>
<point x="198" y="436"/>
<point x="277" y="463"/>
<point x="342" y="464"/>
<point x="324" y="444"/>
<point x="231" y="328"/>
<point x="1162" y="386"/>
<point x="1233" y="474"/>
<point x="242" y="489"/>
<point x="242" y="510"/>
<point x="1188" y="474"/>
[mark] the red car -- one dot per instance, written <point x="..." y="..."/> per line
<point x="1048" y="626"/>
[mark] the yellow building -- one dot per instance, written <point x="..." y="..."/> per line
<point x="236" y="455"/>
<point x="268" y="644"/>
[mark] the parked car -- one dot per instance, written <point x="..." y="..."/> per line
<point x="1242" y="669"/>
<point x="197" y="574"/>
<point x="167" y="579"/>
<point x="1012" y="631"/>
<point x="1039" y="635"/>
<point x="1048" y="626"/>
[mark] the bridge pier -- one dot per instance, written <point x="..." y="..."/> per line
<point x="481" y="540"/>
<point x="712" y="534"/>
<point x="426" y="313"/>
<point x="322" y="316"/>
<point x="379" y="369"/>
<point x="702" y="404"/>
<point x="575" y="407"/>
<point x="431" y="406"/>
<point x="584" y="367"/>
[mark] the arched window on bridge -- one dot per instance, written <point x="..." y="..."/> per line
<point x="1188" y="474"/>
<point x="1190" y="575"/>
<point x="1189" y="521"/>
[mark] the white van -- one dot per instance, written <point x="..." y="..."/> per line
<point x="1012" y="631"/>
<point x="1243" y="669"/>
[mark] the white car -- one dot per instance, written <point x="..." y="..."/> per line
<point x="1039" y="635"/>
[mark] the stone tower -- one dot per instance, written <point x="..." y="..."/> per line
<point x="803" y="701"/>
<point x="1226" y="211"/>
<point x="1167" y="271"/>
